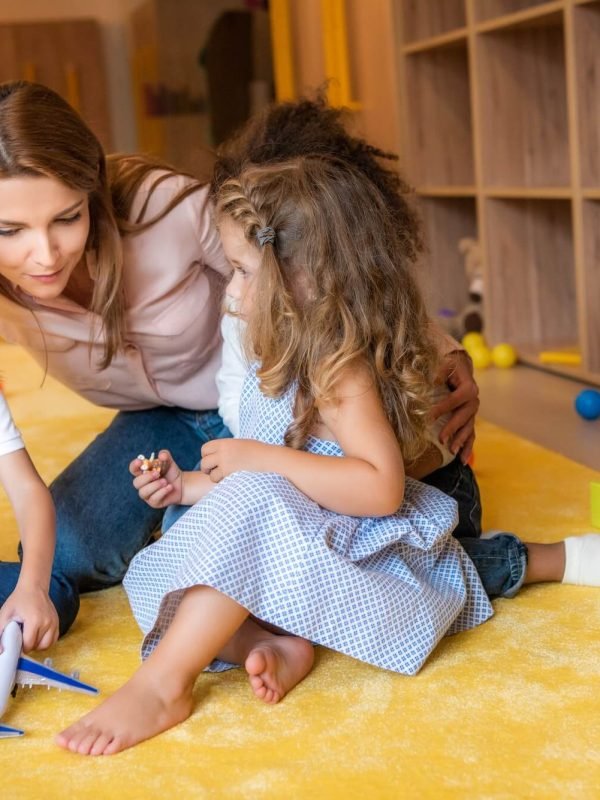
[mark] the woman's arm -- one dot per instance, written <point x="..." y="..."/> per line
<point x="367" y="481"/>
<point x="34" y="512"/>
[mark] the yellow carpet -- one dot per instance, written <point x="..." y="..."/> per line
<point x="509" y="710"/>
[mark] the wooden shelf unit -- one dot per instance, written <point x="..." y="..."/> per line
<point x="501" y="137"/>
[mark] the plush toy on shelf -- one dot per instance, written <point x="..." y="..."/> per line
<point x="469" y="319"/>
<point x="471" y="316"/>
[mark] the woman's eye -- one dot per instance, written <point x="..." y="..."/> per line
<point x="9" y="231"/>
<point x="69" y="220"/>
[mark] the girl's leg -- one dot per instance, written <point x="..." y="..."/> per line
<point x="159" y="695"/>
<point x="274" y="663"/>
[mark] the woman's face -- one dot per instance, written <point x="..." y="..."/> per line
<point x="245" y="260"/>
<point x="44" y="228"/>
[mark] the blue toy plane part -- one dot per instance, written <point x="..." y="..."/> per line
<point x="17" y="669"/>
<point x="32" y="673"/>
<point x="6" y="732"/>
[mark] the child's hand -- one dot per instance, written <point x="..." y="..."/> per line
<point x="155" y="489"/>
<point x="35" y="611"/>
<point x="222" y="457"/>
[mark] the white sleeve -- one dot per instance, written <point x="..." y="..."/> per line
<point x="10" y="438"/>
<point x="232" y="373"/>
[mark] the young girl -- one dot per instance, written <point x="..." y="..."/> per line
<point x="29" y="603"/>
<point x="313" y="529"/>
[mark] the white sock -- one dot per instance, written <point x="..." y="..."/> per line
<point x="582" y="560"/>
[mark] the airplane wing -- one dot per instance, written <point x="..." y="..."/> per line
<point x="7" y="732"/>
<point x="18" y="669"/>
<point x="30" y="673"/>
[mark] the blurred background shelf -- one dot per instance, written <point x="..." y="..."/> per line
<point x="501" y="136"/>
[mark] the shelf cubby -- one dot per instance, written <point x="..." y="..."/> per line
<point x="523" y="105"/>
<point x="530" y="274"/>
<point x="424" y="19"/>
<point x="587" y="59"/>
<point x="446" y="221"/>
<point x="491" y="9"/>
<point x="591" y="282"/>
<point x="439" y="99"/>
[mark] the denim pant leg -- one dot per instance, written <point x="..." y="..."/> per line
<point x="500" y="561"/>
<point x="174" y="512"/>
<point x="458" y="481"/>
<point x="101" y="523"/>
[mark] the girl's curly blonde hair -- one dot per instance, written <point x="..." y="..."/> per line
<point x="334" y="289"/>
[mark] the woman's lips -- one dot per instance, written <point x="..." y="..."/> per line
<point x="47" y="277"/>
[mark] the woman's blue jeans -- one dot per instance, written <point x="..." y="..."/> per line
<point x="501" y="560"/>
<point x="101" y="523"/>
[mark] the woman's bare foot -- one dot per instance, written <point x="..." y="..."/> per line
<point x="277" y="664"/>
<point x="137" y="711"/>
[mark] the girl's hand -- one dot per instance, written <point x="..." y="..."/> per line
<point x="222" y="457"/>
<point x="35" y="611"/>
<point x="155" y="489"/>
<point x="458" y="434"/>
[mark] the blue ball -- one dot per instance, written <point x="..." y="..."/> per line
<point x="587" y="404"/>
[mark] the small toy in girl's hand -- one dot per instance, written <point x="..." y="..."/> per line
<point x="151" y="464"/>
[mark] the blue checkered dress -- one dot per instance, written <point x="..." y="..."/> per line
<point x="383" y="589"/>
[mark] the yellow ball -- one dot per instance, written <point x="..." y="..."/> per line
<point x="481" y="357"/>
<point x="471" y="341"/>
<point x="504" y="355"/>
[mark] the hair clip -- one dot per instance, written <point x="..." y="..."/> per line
<point x="265" y="235"/>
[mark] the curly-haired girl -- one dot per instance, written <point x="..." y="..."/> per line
<point x="313" y="531"/>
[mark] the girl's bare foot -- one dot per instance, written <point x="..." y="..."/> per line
<point x="137" y="711"/>
<point x="277" y="664"/>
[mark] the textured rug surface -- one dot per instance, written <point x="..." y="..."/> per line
<point x="509" y="710"/>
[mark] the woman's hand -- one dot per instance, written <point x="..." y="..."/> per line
<point x="31" y="606"/>
<point x="458" y="434"/>
<point x="159" y="488"/>
<point x="222" y="457"/>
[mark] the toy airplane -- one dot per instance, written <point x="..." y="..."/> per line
<point x="16" y="669"/>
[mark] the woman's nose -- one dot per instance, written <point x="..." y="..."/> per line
<point x="44" y="252"/>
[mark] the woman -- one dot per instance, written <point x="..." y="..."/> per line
<point x="111" y="276"/>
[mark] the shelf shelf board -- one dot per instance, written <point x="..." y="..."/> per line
<point x="450" y="39"/>
<point x="530" y="355"/>
<point x="529" y="193"/>
<point x="548" y="14"/>
<point x="591" y="194"/>
<point x="446" y="191"/>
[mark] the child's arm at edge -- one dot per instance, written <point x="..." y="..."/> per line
<point x="34" y="511"/>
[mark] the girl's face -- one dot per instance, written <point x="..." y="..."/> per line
<point x="245" y="260"/>
<point x="44" y="228"/>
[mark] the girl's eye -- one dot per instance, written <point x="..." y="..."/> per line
<point x="9" y="231"/>
<point x="69" y="220"/>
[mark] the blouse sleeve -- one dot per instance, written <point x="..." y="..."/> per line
<point x="10" y="438"/>
<point x="201" y="213"/>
